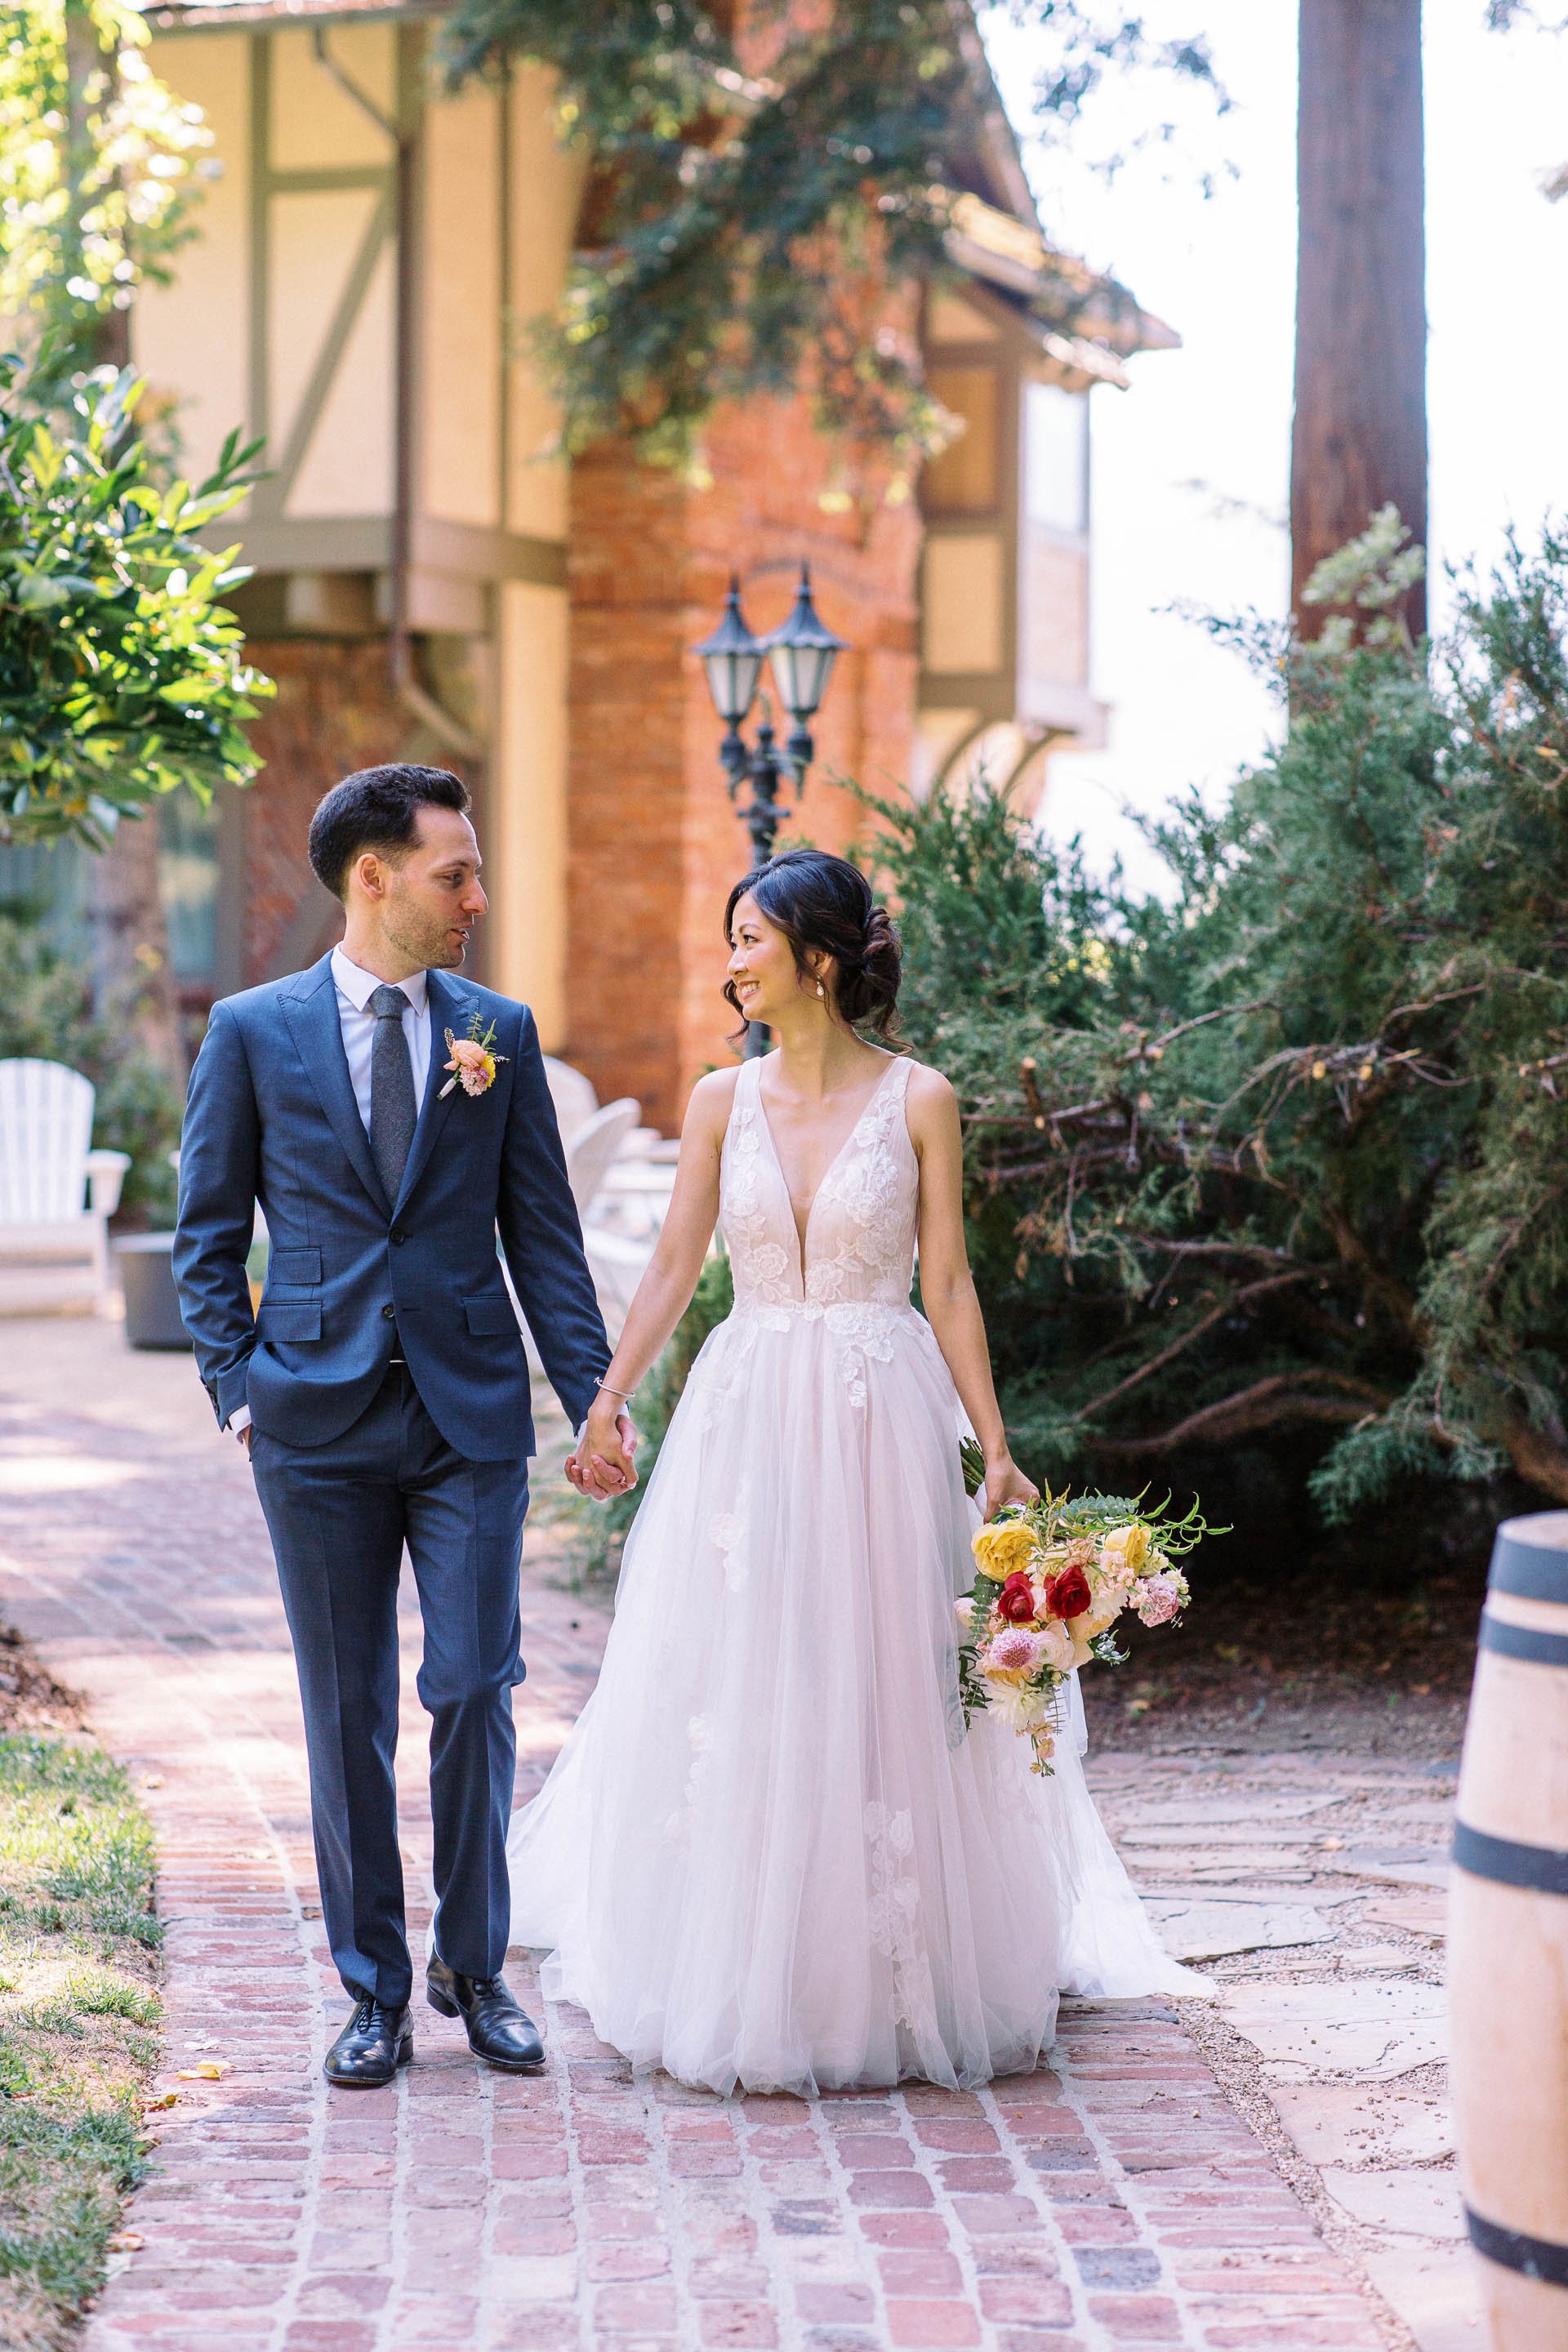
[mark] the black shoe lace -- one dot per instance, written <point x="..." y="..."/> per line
<point x="488" y="1988"/>
<point x="362" y="2014"/>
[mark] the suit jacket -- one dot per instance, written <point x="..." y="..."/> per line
<point x="352" y="1276"/>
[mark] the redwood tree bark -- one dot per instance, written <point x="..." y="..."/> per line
<point x="1360" y="439"/>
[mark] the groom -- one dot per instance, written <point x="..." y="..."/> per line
<point x="392" y="1118"/>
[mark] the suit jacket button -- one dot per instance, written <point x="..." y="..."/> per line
<point x="387" y="1313"/>
<point x="399" y="1236"/>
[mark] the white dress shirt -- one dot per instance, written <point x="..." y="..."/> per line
<point x="355" y="987"/>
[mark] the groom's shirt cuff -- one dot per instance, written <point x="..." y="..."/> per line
<point x="238" y="1421"/>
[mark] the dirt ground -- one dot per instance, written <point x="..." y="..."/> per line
<point x="1303" y="1663"/>
<point x="30" y="1698"/>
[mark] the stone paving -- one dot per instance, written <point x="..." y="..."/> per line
<point x="1312" y="1887"/>
<point x="1116" y="2202"/>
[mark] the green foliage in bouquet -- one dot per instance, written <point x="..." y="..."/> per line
<point x="1279" y="1156"/>
<point x="120" y="679"/>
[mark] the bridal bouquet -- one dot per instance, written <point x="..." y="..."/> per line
<point x="1052" y="1577"/>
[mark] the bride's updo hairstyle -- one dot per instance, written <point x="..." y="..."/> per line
<point x="824" y="906"/>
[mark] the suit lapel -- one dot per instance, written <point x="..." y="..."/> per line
<point x="312" y="1016"/>
<point x="450" y="1007"/>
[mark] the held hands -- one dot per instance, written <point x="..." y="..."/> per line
<point x="1004" y="1484"/>
<point x="601" y="1464"/>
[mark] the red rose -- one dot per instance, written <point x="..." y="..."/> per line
<point x="1015" y="1602"/>
<point x="1068" y="1595"/>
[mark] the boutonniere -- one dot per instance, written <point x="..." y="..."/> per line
<point x="473" y="1062"/>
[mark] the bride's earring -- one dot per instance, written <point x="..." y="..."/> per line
<point x="820" y="990"/>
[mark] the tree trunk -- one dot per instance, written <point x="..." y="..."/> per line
<point x="131" y="971"/>
<point x="1360" y="440"/>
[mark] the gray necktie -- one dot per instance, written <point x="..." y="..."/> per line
<point x="393" y="1109"/>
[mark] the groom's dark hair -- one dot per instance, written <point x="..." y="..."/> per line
<point x="378" y="808"/>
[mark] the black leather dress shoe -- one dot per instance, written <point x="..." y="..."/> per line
<point x="500" y="2032"/>
<point x="373" y="2045"/>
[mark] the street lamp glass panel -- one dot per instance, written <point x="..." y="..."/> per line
<point x="802" y="653"/>
<point x="732" y="659"/>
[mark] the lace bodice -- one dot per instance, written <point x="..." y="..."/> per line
<point x="861" y="1234"/>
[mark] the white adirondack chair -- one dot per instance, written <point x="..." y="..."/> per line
<point x="57" y="1194"/>
<point x="571" y="1092"/>
<point x="596" y="1144"/>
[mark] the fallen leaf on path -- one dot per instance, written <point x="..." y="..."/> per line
<point x="125" y="2241"/>
<point x="211" y="2070"/>
<point x="169" y="2099"/>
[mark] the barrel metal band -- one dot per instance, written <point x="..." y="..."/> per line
<point x="1540" y="1868"/>
<point x="1523" y="1642"/>
<point x="1530" y="1572"/>
<point x="1536" y="2258"/>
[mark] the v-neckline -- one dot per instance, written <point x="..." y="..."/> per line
<point x="802" y="1232"/>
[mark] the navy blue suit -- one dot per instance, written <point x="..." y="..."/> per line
<point x="356" y="1455"/>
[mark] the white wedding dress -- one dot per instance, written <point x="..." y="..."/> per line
<point x="769" y="1854"/>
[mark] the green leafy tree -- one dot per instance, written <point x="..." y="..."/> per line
<point x="99" y="166"/>
<point x="750" y="203"/>
<point x="121" y="680"/>
<point x="1278" y="1161"/>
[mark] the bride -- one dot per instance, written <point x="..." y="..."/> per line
<point x="769" y="1853"/>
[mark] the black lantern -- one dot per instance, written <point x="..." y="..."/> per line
<point x="732" y="658"/>
<point x="802" y="653"/>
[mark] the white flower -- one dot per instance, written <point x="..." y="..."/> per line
<point x="1016" y="1706"/>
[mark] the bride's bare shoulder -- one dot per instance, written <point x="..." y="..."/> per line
<point x="931" y="1107"/>
<point x="928" y="1087"/>
<point x="710" y="1101"/>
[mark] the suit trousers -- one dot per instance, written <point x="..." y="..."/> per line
<point x="338" y="1516"/>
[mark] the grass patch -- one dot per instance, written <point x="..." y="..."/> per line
<point x="78" y="2013"/>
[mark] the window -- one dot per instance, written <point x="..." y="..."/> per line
<point x="187" y="875"/>
<point x="1055" y="456"/>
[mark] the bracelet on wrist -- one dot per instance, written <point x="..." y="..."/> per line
<point x="626" y="1395"/>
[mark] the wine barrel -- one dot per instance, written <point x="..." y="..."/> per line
<point x="1508" y="1942"/>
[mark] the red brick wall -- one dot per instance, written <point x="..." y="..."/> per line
<point x="334" y="712"/>
<point x="654" y="842"/>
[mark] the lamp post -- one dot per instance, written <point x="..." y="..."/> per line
<point x="802" y="653"/>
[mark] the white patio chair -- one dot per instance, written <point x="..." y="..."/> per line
<point x="573" y="1094"/>
<point x="57" y="1194"/>
<point x="596" y="1143"/>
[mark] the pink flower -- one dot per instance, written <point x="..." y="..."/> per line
<point x="1158" y="1598"/>
<point x="473" y="1063"/>
<point x="475" y="1068"/>
<point x="1014" y="1650"/>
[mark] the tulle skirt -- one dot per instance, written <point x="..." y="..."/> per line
<point x="769" y="1854"/>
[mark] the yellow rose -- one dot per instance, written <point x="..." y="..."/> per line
<point x="1003" y="1546"/>
<point x="1131" y="1545"/>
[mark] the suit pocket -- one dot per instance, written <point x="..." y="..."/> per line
<point x="492" y="1318"/>
<point x="288" y="1318"/>
<point x="294" y="1269"/>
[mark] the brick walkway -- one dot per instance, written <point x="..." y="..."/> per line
<point x="1115" y="2200"/>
